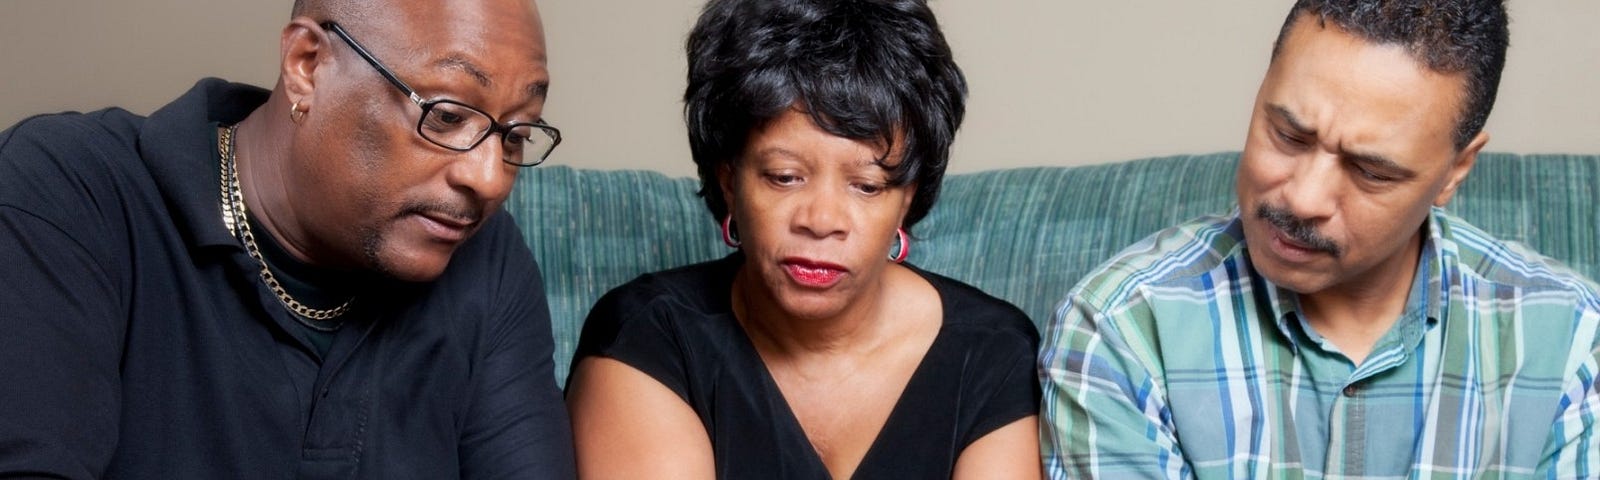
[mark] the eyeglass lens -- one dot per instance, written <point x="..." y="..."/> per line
<point x="461" y="127"/>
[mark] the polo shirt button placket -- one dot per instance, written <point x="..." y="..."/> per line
<point x="1351" y="390"/>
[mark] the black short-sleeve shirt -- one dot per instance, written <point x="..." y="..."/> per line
<point x="137" y="339"/>
<point x="678" y="327"/>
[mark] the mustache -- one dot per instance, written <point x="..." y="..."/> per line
<point x="1299" y="230"/>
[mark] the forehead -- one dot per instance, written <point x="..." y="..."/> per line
<point x="793" y="135"/>
<point x="1361" y="91"/>
<point x="488" y="41"/>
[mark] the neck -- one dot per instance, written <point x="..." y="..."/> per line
<point x="261" y="149"/>
<point x="857" y="328"/>
<point x="1356" y="314"/>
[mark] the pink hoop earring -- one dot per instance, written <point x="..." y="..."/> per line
<point x="905" y="246"/>
<point x="729" y="237"/>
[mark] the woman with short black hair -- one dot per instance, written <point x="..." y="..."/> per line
<point x="821" y="130"/>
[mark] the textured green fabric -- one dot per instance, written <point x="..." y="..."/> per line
<point x="1027" y="235"/>
<point x="592" y="230"/>
<point x="1024" y="235"/>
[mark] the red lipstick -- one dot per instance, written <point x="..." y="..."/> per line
<point x="813" y="274"/>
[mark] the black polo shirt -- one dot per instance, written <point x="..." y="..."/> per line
<point x="138" y="341"/>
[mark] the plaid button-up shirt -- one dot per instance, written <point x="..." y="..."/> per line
<point x="1177" y="360"/>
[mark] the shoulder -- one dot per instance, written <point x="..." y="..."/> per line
<point x="1175" y="273"/>
<point x="73" y="171"/>
<point x="1183" y="251"/>
<point x="667" y="299"/>
<point x="702" y="287"/>
<point x="1558" y="308"/>
<point x="977" y="312"/>
<point x="1482" y="257"/>
<point x="69" y="141"/>
<point x="71" y="130"/>
<point x="674" y="325"/>
<point x="44" y="147"/>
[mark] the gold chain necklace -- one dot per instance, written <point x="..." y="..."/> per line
<point x="233" y="216"/>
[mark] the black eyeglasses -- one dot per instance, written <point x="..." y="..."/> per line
<point x="461" y="127"/>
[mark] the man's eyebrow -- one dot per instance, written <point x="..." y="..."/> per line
<point x="1294" y="123"/>
<point x="537" y="89"/>
<point x="1381" y="163"/>
<point x="534" y="90"/>
<point x="1372" y="160"/>
<point x="461" y="63"/>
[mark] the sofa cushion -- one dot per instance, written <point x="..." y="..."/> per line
<point x="1025" y="235"/>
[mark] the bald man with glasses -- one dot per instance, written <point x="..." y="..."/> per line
<point x="316" y="281"/>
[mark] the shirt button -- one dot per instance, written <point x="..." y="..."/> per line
<point x="1351" y="390"/>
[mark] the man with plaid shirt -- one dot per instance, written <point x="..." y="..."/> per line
<point x="1338" y="324"/>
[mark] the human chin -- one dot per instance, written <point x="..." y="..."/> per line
<point x="394" y="255"/>
<point x="810" y="304"/>
<point x="1304" y="282"/>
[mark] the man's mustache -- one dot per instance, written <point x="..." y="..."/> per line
<point x="1297" y="229"/>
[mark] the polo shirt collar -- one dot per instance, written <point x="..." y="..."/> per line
<point x="179" y="146"/>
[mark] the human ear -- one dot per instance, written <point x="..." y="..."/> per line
<point x="1459" y="167"/>
<point x="302" y="47"/>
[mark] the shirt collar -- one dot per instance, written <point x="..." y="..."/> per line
<point x="179" y="146"/>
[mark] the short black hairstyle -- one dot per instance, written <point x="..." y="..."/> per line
<point x="874" y="70"/>
<point x="1448" y="36"/>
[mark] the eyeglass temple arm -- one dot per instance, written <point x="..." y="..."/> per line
<point x="382" y="70"/>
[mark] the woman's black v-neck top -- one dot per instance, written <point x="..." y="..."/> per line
<point x="678" y="327"/>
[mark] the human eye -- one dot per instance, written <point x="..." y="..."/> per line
<point x="783" y="178"/>
<point x="870" y="188"/>
<point x="1289" y="140"/>
<point x="445" y="121"/>
<point x="447" y="117"/>
<point x="514" y="144"/>
<point x="1372" y="176"/>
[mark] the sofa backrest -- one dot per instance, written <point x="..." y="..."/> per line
<point x="1024" y="235"/>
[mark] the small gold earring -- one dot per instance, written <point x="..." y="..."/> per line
<point x="295" y="114"/>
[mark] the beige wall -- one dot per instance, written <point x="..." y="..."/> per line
<point x="1053" y="82"/>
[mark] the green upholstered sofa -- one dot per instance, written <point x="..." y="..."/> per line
<point x="1025" y="235"/>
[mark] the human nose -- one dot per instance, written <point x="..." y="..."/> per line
<point x="822" y="214"/>
<point x="1313" y="189"/>
<point x="483" y="170"/>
